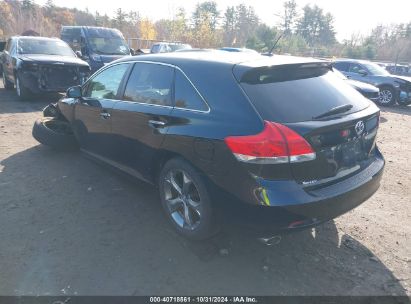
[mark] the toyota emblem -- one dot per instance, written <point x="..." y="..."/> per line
<point x="359" y="127"/>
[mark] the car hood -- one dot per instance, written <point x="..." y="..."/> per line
<point x="362" y="86"/>
<point x="53" y="59"/>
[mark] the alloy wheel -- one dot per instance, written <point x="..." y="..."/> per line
<point x="385" y="96"/>
<point x="182" y="199"/>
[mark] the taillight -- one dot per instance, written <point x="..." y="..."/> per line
<point x="275" y="144"/>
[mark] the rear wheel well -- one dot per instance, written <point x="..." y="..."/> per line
<point x="390" y="87"/>
<point x="159" y="163"/>
<point x="387" y="86"/>
<point x="165" y="156"/>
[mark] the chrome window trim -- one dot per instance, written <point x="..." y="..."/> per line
<point x="158" y="63"/>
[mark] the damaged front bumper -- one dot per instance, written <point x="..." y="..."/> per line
<point x="51" y="79"/>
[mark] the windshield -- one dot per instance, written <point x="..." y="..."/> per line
<point x="376" y="70"/>
<point x="47" y="47"/>
<point x="109" y="46"/>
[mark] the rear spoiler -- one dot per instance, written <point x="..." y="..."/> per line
<point x="285" y="72"/>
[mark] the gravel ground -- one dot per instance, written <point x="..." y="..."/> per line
<point x="69" y="226"/>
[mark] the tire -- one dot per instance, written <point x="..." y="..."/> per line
<point x="22" y="92"/>
<point x="8" y="85"/>
<point x="387" y="97"/>
<point x="54" y="133"/>
<point x="192" y="198"/>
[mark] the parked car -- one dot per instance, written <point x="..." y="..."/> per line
<point x="401" y="70"/>
<point x="233" y="49"/>
<point x="367" y="90"/>
<point x="392" y="88"/>
<point x="41" y="65"/>
<point x="168" y="47"/>
<point x="269" y="143"/>
<point x="96" y="45"/>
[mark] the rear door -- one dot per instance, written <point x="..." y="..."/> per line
<point x="92" y="114"/>
<point x="140" y="120"/>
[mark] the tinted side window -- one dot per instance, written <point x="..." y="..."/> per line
<point x="106" y="84"/>
<point x="186" y="96"/>
<point x="150" y="83"/>
<point x="342" y="66"/>
<point x="355" y="68"/>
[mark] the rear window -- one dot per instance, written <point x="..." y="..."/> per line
<point x="293" y="94"/>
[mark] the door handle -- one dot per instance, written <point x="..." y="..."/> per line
<point x="105" y="115"/>
<point x="156" y="123"/>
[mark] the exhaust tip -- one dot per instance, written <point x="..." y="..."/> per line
<point x="270" y="241"/>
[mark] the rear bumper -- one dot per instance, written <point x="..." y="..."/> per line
<point x="293" y="207"/>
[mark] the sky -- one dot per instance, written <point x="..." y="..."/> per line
<point x="351" y="16"/>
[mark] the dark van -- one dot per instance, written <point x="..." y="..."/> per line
<point x="96" y="45"/>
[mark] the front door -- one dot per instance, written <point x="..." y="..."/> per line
<point x="140" y="120"/>
<point x="92" y="114"/>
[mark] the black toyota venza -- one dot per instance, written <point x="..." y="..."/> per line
<point x="277" y="143"/>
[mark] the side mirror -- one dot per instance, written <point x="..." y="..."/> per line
<point x="79" y="54"/>
<point x="132" y="52"/>
<point x="74" y="92"/>
<point x="362" y="72"/>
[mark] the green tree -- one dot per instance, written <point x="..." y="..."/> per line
<point x="289" y="17"/>
<point x="206" y="12"/>
<point x="263" y="39"/>
<point x="316" y="27"/>
<point x="120" y="19"/>
<point x="247" y="22"/>
<point x="229" y="26"/>
<point x="239" y="25"/>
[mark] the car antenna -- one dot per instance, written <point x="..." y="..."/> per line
<point x="270" y="53"/>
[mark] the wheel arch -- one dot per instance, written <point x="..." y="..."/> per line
<point x="163" y="157"/>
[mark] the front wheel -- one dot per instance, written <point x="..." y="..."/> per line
<point x="387" y="96"/>
<point x="54" y="133"/>
<point x="186" y="200"/>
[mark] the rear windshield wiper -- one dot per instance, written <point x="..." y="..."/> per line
<point x="335" y="110"/>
